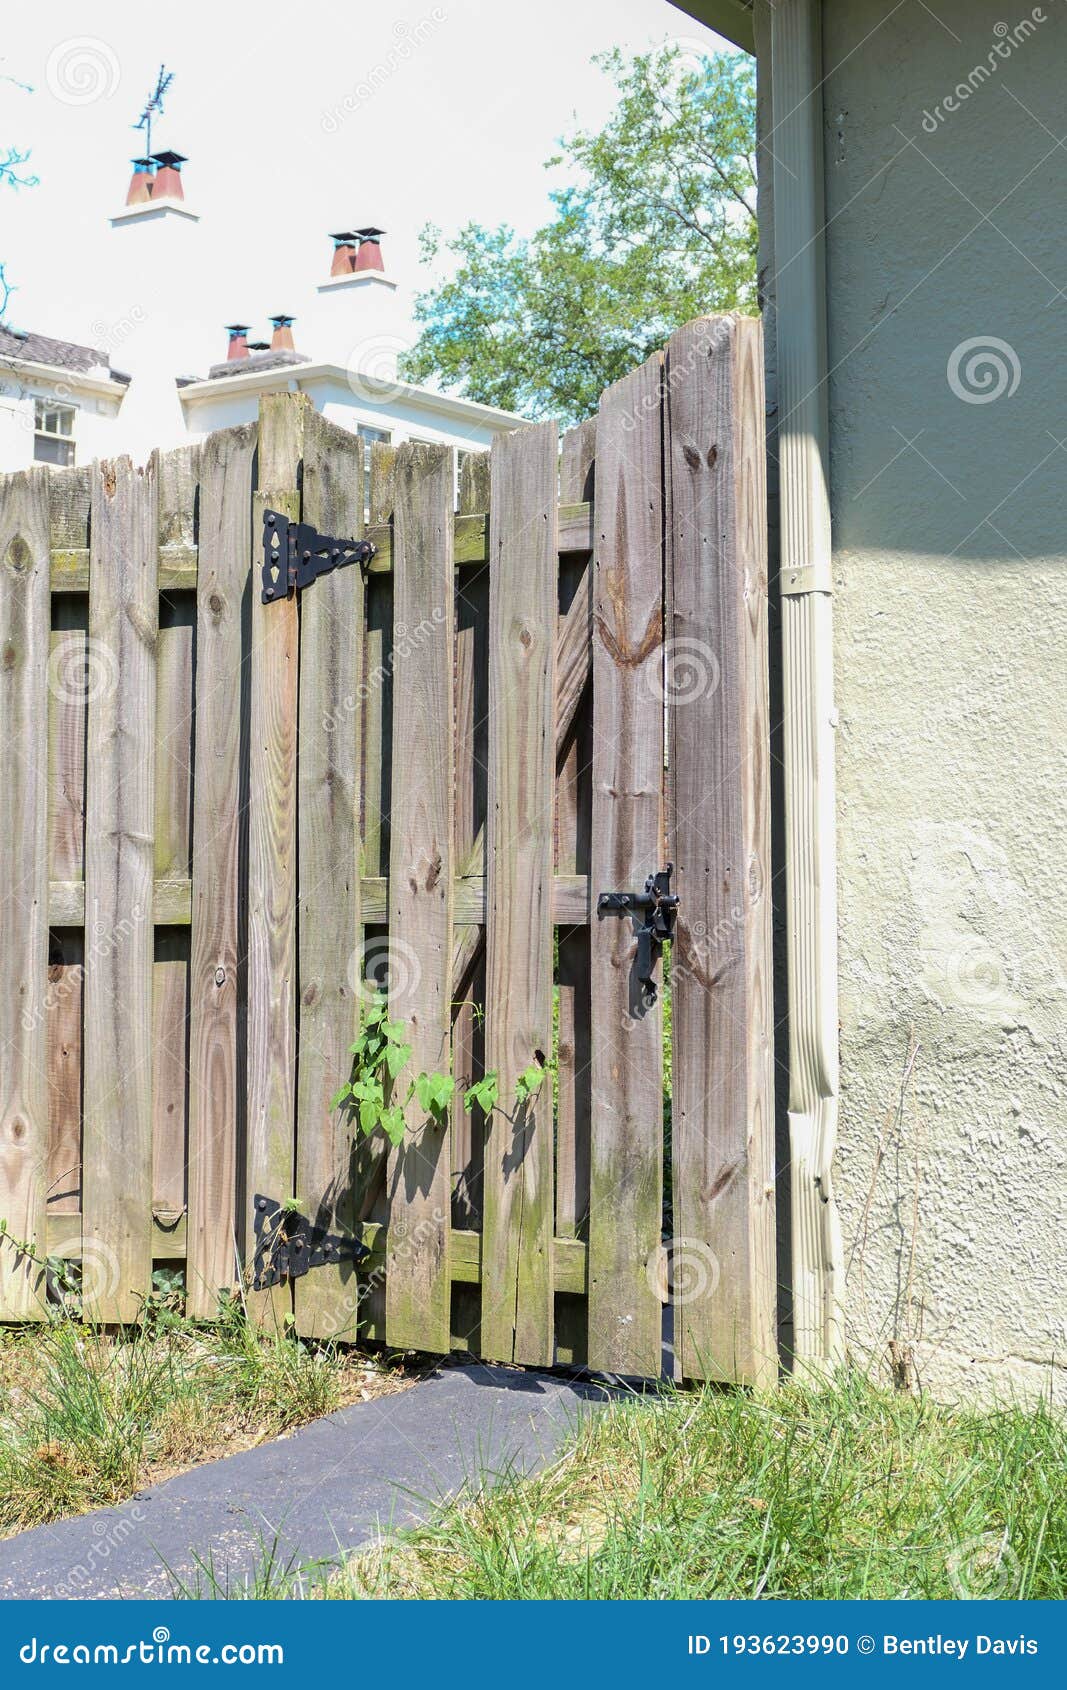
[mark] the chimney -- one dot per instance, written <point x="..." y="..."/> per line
<point x="140" y="188"/>
<point x="238" y="347"/>
<point x="281" y="339"/>
<point x="369" y="256"/>
<point x="168" y="182"/>
<point x="344" y="253"/>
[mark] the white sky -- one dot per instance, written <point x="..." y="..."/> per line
<point x="471" y="99"/>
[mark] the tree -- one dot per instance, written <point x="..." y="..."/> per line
<point x="657" y="226"/>
<point x="11" y="162"/>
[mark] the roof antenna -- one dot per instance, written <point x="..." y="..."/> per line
<point x="153" y="105"/>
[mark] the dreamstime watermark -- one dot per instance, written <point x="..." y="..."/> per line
<point x="976" y="976"/>
<point x="408" y="38"/>
<point x="81" y="70"/>
<point x="985" y="1569"/>
<point x="1007" y="39"/>
<point x="82" y="671"/>
<point x="101" y="946"/>
<point x="158" y="1650"/>
<point x="683" y="1270"/>
<point x="108" y="1536"/>
<point x="372" y="368"/>
<point x="690" y="672"/>
<point x="403" y="1244"/>
<point x="406" y="641"/>
<point x="384" y="964"/>
<point x="983" y="369"/>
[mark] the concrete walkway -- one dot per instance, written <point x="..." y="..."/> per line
<point x="306" y="1499"/>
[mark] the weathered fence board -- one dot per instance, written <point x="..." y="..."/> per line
<point x="24" y="640"/>
<point x="216" y="1056"/>
<point x="625" y="1179"/>
<point x="723" y="1265"/>
<point x="517" y="1286"/>
<point x="275" y="634"/>
<point x="418" y="1285"/>
<point x="420" y="773"/>
<point x="330" y="920"/>
<point x="120" y="812"/>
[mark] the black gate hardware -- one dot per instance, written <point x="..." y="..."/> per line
<point x="294" y="553"/>
<point x="287" y="1245"/>
<point x="658" y="904"/>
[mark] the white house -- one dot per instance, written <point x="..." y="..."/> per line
<point x="64" y="403"/>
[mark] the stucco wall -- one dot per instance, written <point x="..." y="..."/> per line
<point x="950" y="528"/>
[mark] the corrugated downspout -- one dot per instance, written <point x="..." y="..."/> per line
<point x="796" y="146"/>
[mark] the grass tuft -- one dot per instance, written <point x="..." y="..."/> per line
<point x="836" y="1492"/>
<point x="88" y="1417"/>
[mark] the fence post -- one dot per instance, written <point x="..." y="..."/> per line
<point x="718" y="837"/>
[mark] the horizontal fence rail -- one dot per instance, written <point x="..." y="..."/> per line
<point x="225" y="824"/>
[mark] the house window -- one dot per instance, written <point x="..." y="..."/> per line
<point x="368" y="437"/>
<point x="53" y="432"/>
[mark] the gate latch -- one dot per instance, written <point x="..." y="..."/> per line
<point x="287" y="1244"/>
<point x="294" y="553"/>
<point x="658" y="904"/>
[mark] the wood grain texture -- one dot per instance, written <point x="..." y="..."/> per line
<point x="472" y="751"/>
<point x="170" y="1102"/>
<point x="418" y="1279"/>
<point x="272" y="827"/>
<point x="724" y="1268"/>
<point x="626" y="1149"/>
<point x="574" y="745"/>
<point x="65" y="974"/>
<point x="517" y="1288"/>
<point x="120" y="811"/>
<point x="24" y="643"/>
<point x="330" y="922"/>
<point x="216" y="1057"/>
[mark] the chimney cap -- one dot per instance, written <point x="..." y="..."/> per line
<point x="258" y="345"/>
<point x="143" y="163"/>
<point x="236" y="328"/>
<point x="281" y="320"/>
<point x="173" y="161"/>
<point x="370" y="234"/>
<point x="345" y="238"/>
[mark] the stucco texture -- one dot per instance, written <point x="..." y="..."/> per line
<point x="949" y="505"/>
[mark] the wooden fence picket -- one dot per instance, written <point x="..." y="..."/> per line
<point x="216" y="1054"/>
<point x="518" y="1226"/>
<point x="330" y="918"/>
<point x="723" y="1267"/>
<point x="626" y="1156"/>
<point x="272" y="962"/>
<point x="119" y="856"/>
<point x="24" y="669"/>
<point x="418" y="1286"/>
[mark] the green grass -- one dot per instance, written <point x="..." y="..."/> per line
<point x="843" y="1491"/>
<point x="87" y="1418"/>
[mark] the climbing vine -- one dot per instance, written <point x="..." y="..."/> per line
<point x="380" y="1054"/>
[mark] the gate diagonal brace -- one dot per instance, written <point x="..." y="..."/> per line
<point x="287" y="1245"/>
<point x="294" y="553"/>
<point x="658" y="905"/>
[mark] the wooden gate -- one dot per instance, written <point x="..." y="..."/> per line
<point x="222" y="820"/>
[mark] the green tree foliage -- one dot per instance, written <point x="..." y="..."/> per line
<point x="655" y="225"/>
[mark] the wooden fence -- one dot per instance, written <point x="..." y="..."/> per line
<point x="219" y="818"/>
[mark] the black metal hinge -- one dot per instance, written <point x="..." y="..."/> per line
<point x="294" y="553"/>
<point x="287" y="1244"/>
<point x="658" y="904"/>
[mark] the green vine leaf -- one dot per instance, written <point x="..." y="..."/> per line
<point x="484" y="1092"/>
<point x="434" y="1092"/>
<point x="529" y="1081"/>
